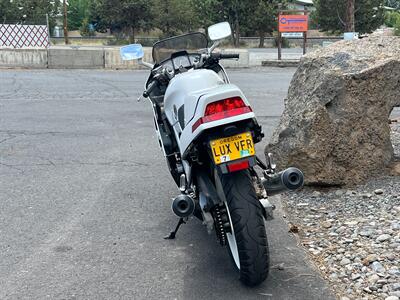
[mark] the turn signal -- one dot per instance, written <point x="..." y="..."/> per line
<point x="222" y="109"/>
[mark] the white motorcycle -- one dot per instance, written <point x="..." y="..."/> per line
<point x="207" y="130"/>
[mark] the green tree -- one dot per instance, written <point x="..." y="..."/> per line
<point x="9" y="11"/>
<point x="391" y="18"/>
<point x="125" y="16"/>
<point x="175" y="16"/>
<point x="393" y="3"/>
<point x="78" y="10"/>
<point x="208" y="12"/>
<point x="330" y="15"/>
<point x="85" y="29"/>
<point x="264" y="18"/>
<point x="28" y="11"/>
<point x="397" y="27"/>
<point x="237" y="12"/>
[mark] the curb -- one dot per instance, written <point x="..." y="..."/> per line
<point x="281" y="63"/>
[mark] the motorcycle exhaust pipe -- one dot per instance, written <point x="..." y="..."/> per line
<point x="288" y="180"/>
<point x="183" y="206"/>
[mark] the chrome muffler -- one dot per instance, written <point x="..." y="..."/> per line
<point x="290" y="179"/>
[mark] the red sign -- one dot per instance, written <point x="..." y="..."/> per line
<point x="293" y="23"/>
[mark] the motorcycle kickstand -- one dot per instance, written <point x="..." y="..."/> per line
<point x="172" y="235"/>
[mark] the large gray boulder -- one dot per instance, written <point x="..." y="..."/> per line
<point x="335" y="122"/>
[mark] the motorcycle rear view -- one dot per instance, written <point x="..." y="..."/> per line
<point x="207" y="131"/>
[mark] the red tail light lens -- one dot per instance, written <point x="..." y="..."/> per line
<point x="237" y="166"/>
<point x="224" y="105"/>
<point x="222" y="109"/>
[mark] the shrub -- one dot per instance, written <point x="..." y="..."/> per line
<point x="86" y="28"/>
<point x="117" y="42"/>
<point x="397" y="27"/>
<point x="285" y="42"/>
<point x="391" y="18"/>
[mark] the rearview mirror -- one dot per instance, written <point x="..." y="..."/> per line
<point x="131" y="52"/>
<point x="219" y="31"/>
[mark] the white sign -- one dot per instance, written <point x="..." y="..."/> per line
<point x="292" y="34"/>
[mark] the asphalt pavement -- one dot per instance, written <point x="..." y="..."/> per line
<point x="85" y="196"/>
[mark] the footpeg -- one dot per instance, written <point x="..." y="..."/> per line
<point x="268" y="209"/>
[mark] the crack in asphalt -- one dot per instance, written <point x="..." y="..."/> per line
<point x="120" y="163"/>
<point x="24" y="132"/>
<point x="12" y="167"/>
<point x="7" y="139"/>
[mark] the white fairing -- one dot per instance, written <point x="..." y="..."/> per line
<point x="195" y="89"/>
<point x="185" y="89"/>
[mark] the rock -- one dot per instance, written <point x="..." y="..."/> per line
<point x="396" y="286"/>
<point x="369" y="259"/>
<point x="383" y="238"/>
<point x="390" y="256"/>
<point x="326" y="224"/>
<point x="350" y="193"/>
<point x="378" y="191"/>
<point x="366" y="196"/>
<point x="396" y="293"/>
<point x="351" y="223"/>
<point x="339" y="193"/>
<point x="394" y="271"/>
<point x="366" y="232"/>
<point x="373" y="278"/>
<point x="355" y="276"/>
<point x="377" y="267"/>
<point x="344" y="261"/>
<point x="381" y="281"/>
<point x="392" y="298"/>
<point x="373" y="288"/>
<point x="316" y="194"/>
<point x="321" y="131"/>
<point x="333" y="277"/>
<point x="395" y="226"/>
<point x="367" y="290"/>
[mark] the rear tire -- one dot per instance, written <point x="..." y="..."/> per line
<point x="248" y="225"/>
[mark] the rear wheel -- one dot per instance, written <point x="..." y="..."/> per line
<point x="247" y="242"/>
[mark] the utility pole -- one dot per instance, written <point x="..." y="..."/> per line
<point x="65" y="22"/>
<point x="350" y="16"/>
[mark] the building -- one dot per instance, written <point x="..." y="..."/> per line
<point x="302" y="5"/>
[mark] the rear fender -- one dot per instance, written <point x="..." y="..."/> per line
<point x="208" y="189"/>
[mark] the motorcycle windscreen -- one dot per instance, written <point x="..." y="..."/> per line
<point x="191" y="43"/>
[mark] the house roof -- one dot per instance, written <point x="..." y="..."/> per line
<point x="305" y="2"/>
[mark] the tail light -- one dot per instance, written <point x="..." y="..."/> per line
<point x="222" y="109"/>
<point x="237" y="166"/>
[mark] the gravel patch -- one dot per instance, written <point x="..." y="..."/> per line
<point x="353" y="235"/>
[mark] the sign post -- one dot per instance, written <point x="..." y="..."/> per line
<point x="292" y="23"/>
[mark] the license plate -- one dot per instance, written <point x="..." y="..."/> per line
<point x="232" y="148"/>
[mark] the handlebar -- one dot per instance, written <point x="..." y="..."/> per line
<point x="224" y="55"/>
<point x="158" y="72"/>
<point x="150" y="88"/>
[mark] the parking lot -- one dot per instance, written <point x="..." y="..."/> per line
<point x="85" y="196"/>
